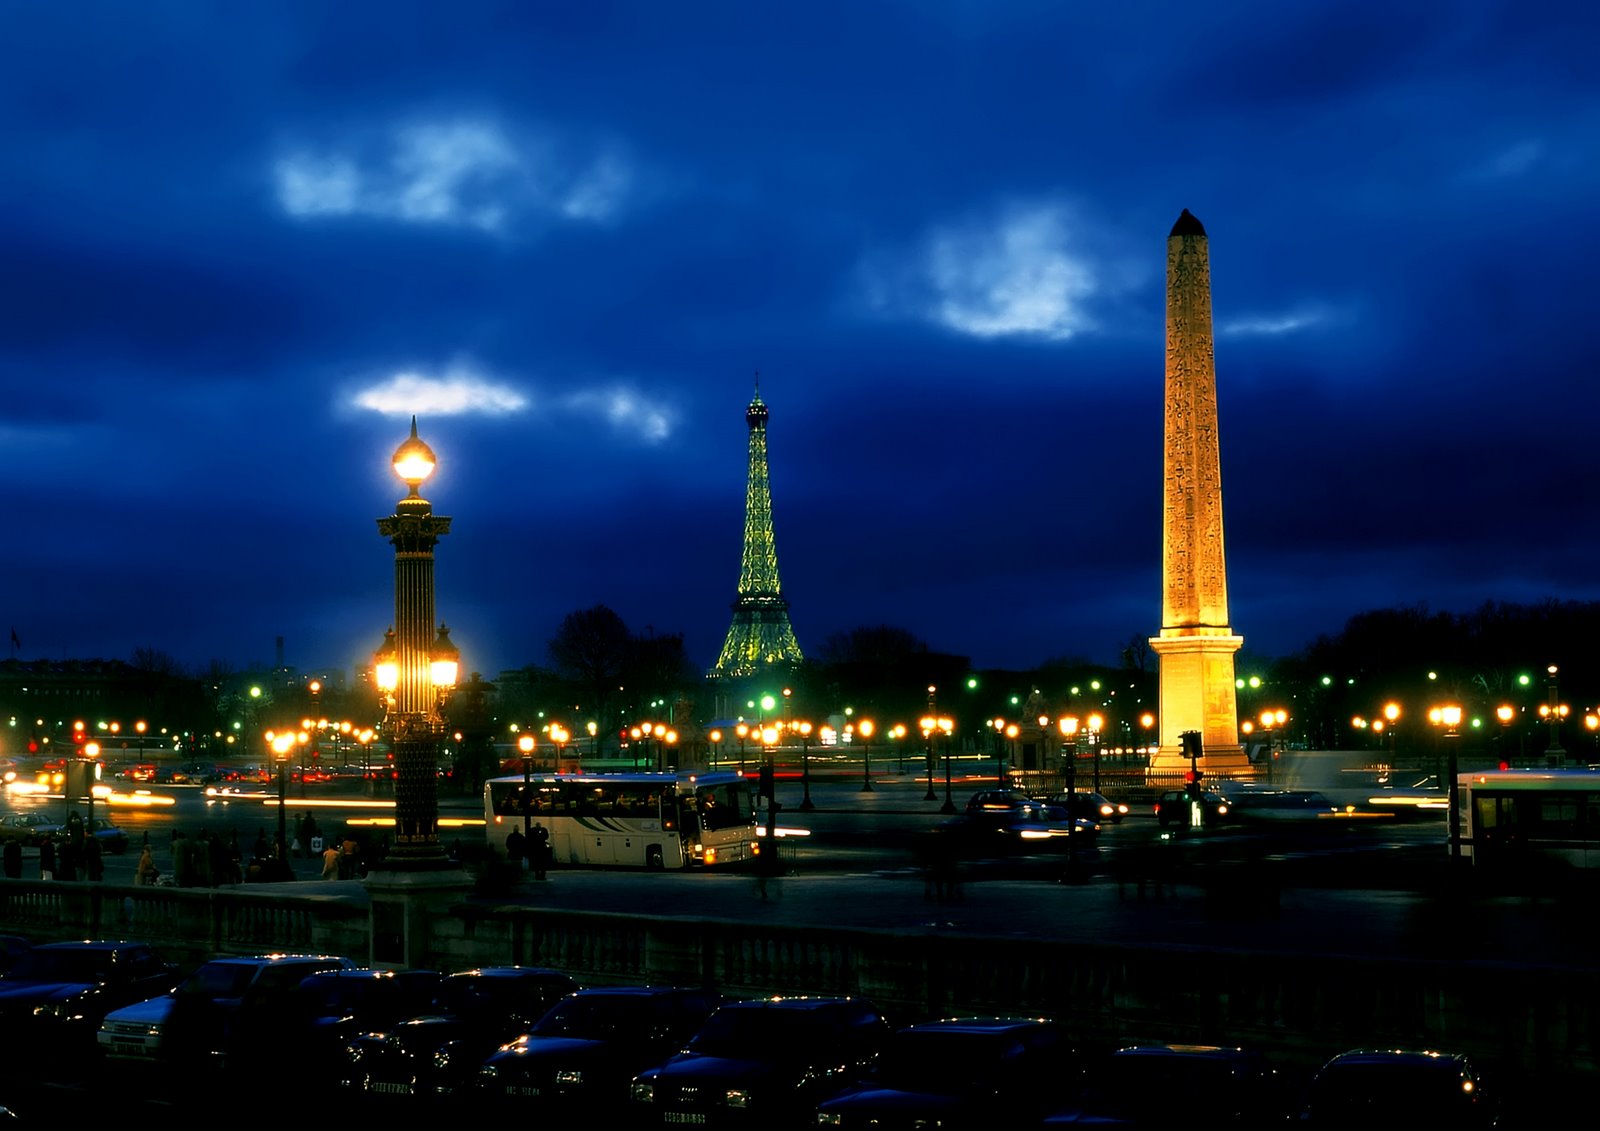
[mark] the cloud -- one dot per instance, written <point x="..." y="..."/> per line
<point x="625" y="410"/>
<point x="1273" y="325"/>
<point x="461" y="392"/>
<point x="461" y="173"/>
<point x="454" y="394"/>
<point x="1019" y="273"/>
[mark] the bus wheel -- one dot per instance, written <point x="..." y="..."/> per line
<point x="653" y="858"/>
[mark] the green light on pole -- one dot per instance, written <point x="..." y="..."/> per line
<point x="768" y="702"/>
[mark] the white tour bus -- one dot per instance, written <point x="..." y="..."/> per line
<point x="1514" y="817"/>
<point x="644" y="820"/>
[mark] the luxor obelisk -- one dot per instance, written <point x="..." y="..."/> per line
<point x="1196" y="645"/>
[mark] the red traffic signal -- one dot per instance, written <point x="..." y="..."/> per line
<point x="1191" y="777"/>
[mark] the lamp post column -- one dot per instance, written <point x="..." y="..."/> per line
<point x="415" y="723"/>
<point x="949" y="806"/>
<point x="865" y="728"/>
<point x="805" y="764"/>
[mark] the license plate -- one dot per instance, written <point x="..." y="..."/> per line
<point x="127" y="1048"/>
<point x="390" y="1089"/>
<point x="683" y="1117"/>
<point x="523" y="1090"/>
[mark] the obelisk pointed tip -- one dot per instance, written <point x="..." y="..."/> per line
<point x="1187" y="225"/>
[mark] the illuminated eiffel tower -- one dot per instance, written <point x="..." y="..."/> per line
<point x="760" y="636"/>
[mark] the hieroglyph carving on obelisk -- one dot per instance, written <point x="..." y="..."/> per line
<point x="1196" y="645"/>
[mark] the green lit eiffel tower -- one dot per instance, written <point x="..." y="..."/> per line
<point x="760" y="636"/>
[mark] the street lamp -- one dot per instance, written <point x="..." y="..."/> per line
<point x="715" y="738"/>
<point x="1096" y="725"/>
<point x="1068" y="725"/>
<point x="742" y="730"/>
<point x="805" y="761"/>
<point x="594" y="740"/>
<point x="928" y="725"/>
<point x="425" y="665"/>
<point x="1506" y="713"/>
<point x="559" y="735"/>
<point x="999" y="726"/>
<point x="525" y="744"/>
<point x="864" y="728"/>
<point x="1449" y="717"/>
<point x="947" y="725"/>
<point x="282" y="746"/>
<point x="1553" y="712"/>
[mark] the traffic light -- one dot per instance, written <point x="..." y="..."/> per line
<point x="1191" y="744"/>
<point x="1191" y="784"/>
<point x="764" y="786"/>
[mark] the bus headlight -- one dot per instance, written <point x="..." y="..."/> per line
<point x="737" y="1097"/>
<point x="643" y="1091"/>
<point x="711" y="856"/>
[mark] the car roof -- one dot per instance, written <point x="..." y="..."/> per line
<point x="1397" y="1056"/>
<point x="800" y="1003"/>
<point x="93" y="944"/>
<point x="979" y="1025"/>
<point x="273" y="959"/>
<point x="1207" y="1052"/>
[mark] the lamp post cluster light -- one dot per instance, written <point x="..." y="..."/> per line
<point x="415" y="669"/>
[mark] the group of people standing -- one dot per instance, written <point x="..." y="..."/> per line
<point x="71" y="854"/>
<point x="535" y="847"/>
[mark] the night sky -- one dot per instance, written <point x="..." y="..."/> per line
<point x="241" y="245"/>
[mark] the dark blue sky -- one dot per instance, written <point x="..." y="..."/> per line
<point x="240" y="245"/>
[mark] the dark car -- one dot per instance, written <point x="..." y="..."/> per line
<point x="1280" y="806"/>
<point x="583" y="1054"/>
<point x="111" y="838"/>
<point x="1398" y="1087"/>
<point x="765" y="1063"/>
<point x="28" y="828"/>
<point x="53" y="1000"/>
<point x="329" y="1009"/>
<point x="1028" y="826"/>
<point x="1173" y="809"/>
<point x="959" y="1074"/>
<point x="439" y="1052"/>
<point x="996" y="802"/>
<point x="1095" y="806"/>
<point x="205" y="1018"/>
<point x="1170" y="1085"/>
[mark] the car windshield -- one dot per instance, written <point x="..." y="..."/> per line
<point x="943" y="1062"/>
<point x="220" y="980"/>
<point x="765" y="1034"/>
<point x="41" y="965"/>
<point x="598" y="1017"/>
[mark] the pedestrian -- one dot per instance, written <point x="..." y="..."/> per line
<point x="144" y="873"/>
<point x="13" y="859"/>
<point x="47" y="858"/>
<point x="66" y="860"/>
<point x="540" y="850"/>
<point x="330" y="861"/>
<point x="516" y="846"/>
<point x="93" y="866"/>
<point x="235" y="858"/>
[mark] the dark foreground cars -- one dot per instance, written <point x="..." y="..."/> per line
<point x="1379" y="1088"/>
<point x="582" y="1055"/>
<point x="960" y="1075"/>
<point x="765" y="1063"/>
<point x="56" y="995"/>
<point x="1175" y="1085"/>
<point x="438" y="1053"/>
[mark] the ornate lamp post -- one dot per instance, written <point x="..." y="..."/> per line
<point x="1069" y="747"/>
<point x="864" y="728"/>
<point x="1096" y="724"/>
<point x="282" y="747"/>
<point x="525" y="743"/>
<point x="1506" y="713"/>
<point x="928" y="725"/>
<point x="560" y="735"/>
<point x="743" y="731"/>
<point x="424" y="666"/>
<point x="715" y="738"/>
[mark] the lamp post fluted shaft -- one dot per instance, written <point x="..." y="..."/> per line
<point x="414" y="723"/>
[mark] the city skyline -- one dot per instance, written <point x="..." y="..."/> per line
<point x="244" y="248"/>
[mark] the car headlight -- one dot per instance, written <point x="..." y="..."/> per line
<point x="642" y="1090"/>
<point x="569" y="1076"/>
<point x="51" y="1009"/>
<point x="829" y="1119"/>
<point x="487" y="1073"/>
<point x="737" y="1097"/>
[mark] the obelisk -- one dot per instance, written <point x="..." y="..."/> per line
<point x="1196" y="646"/>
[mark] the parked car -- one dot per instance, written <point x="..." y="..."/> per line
<point x="326" y="1011"/>
<point x="1095" y="806"/>
<point x="1172" y="809"/>
<point x="960" y="1075"/>
<point x="1161" y="1086"/>
<point x="764" y="1063"/>
<point x="54" y="997"/>
<point x="996" y="802"/>
<point x="438" y="1052"/>
<point x="582" y="1055"/>
<point x="198" y="1020"/>
<point x="1399" y="1087"/>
